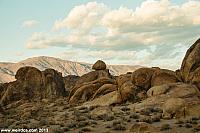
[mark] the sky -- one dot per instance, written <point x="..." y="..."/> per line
<point x="133" y="32"/>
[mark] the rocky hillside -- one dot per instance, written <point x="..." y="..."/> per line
<point x="147" y="100"/>
<point x="8" y="70"/>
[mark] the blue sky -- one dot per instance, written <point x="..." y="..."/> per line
<point x="24" y="22"/>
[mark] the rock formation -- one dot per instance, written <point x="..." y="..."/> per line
<point x="87" y="85"/>
<point x="2" y="110"/>
<point x="33" y="84"/>
<point x="135" y="99"/>
<point x="174" y="98"/>
<point x="149" y="77"/>
<point x="99" y="65"/>
<point x="163" y="76"/>
<point x="104" y="89"/>
<point x="69" y="82"/>
<point x="190" y="68"/>
<point x="142" y="77"/>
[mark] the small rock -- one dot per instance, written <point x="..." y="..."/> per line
<point x="81" y="118"/>
<point x="155" y="118"/>
<point x="116" y="123"/>
<point x="165" y="127"/>
<point x="71" y="125"/>
<point x="197" y="128"/>
<point x="119" y="127"/>
<point x="86" y="129"/>
<point x="82" y="124"/>
<point x="147" y="120"/>
<point x="125" y="109"/>
<point x="134" y="116"/>
<point x="188" y="125"/>
<point x="143" y="127"/>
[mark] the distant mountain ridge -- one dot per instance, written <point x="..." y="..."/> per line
<point x="8" y="70"/>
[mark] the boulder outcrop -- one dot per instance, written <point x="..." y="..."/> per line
<point x="2" y="110"/>
<point x="87" y="90"/>
<point x="165" y="97"/>
<point x="70" y="82"/>
<point x="99" y="65"/>
<point x="121" y="79"/>
<point x="33" y="84"/>
<point x="89" y="77"/>
<point x="88" y="86"/>
<point x="127" y="92"/>
<point x="138" y="101"/>
<point x="143" y="127"/>
<point x="104" y="89"/>
<point x="163" y="76"/>
<point x="149" y="77"/>
<point x="190" y="68"/>
<point x="142" y="77"/>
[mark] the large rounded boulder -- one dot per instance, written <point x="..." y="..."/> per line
<point x="121" y="79"/>
<point x="99" y="65"/>
<point x="142" y="77"/>
<point x="127" y="92"/>
<point x="106" y="88"/>
<point x="87" y="90"/>
<point x="163" y="76"/>
<point x="29" y="74"/>
<point x="88" y="78"/>
<point x="191" y="63"/>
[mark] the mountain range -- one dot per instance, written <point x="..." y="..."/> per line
<point x="8" y="70"/>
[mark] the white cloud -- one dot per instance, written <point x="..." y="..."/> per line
<point x="83" y="18"/>
<point x="105" y="33"/>
<point x="154" y="22"/>
<point x="29" y="23"/>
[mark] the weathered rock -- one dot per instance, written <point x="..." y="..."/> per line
<point x="121" y="79"/>
<point x="53" y="82"/>
<point x="158" y="90"/>
<point x="181" y="90"/>
<point x="195" y="77"/>
<point x="191" y="62"/>
<point x="99" y="65"/>
<point x="85" y="92"/>
<point x="172" y="107"/>
<point x="142" y="77"/>
<point x="32" y="84"/>
<point x="163" y="76"/>
<point x="14" y="92"/>
<point x="103" y="113"/>
<point x="3" y="89"/>
<point x="143" y="127"/>
<point x="105" y="100"/>
<point x="149" y="77"/>
<point x="141" y="95"/>
<point x="175" y="90"/>
<point x="89" y="77"/>
<point x="30" y="73"/>
<point x="158" y="95"/>
<point x="178" y="75"/>
<point x="2" y="110"/>
<point x="127" y="91"/>
<point x="70" y="82"/>
<point x="106" y="88"/>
